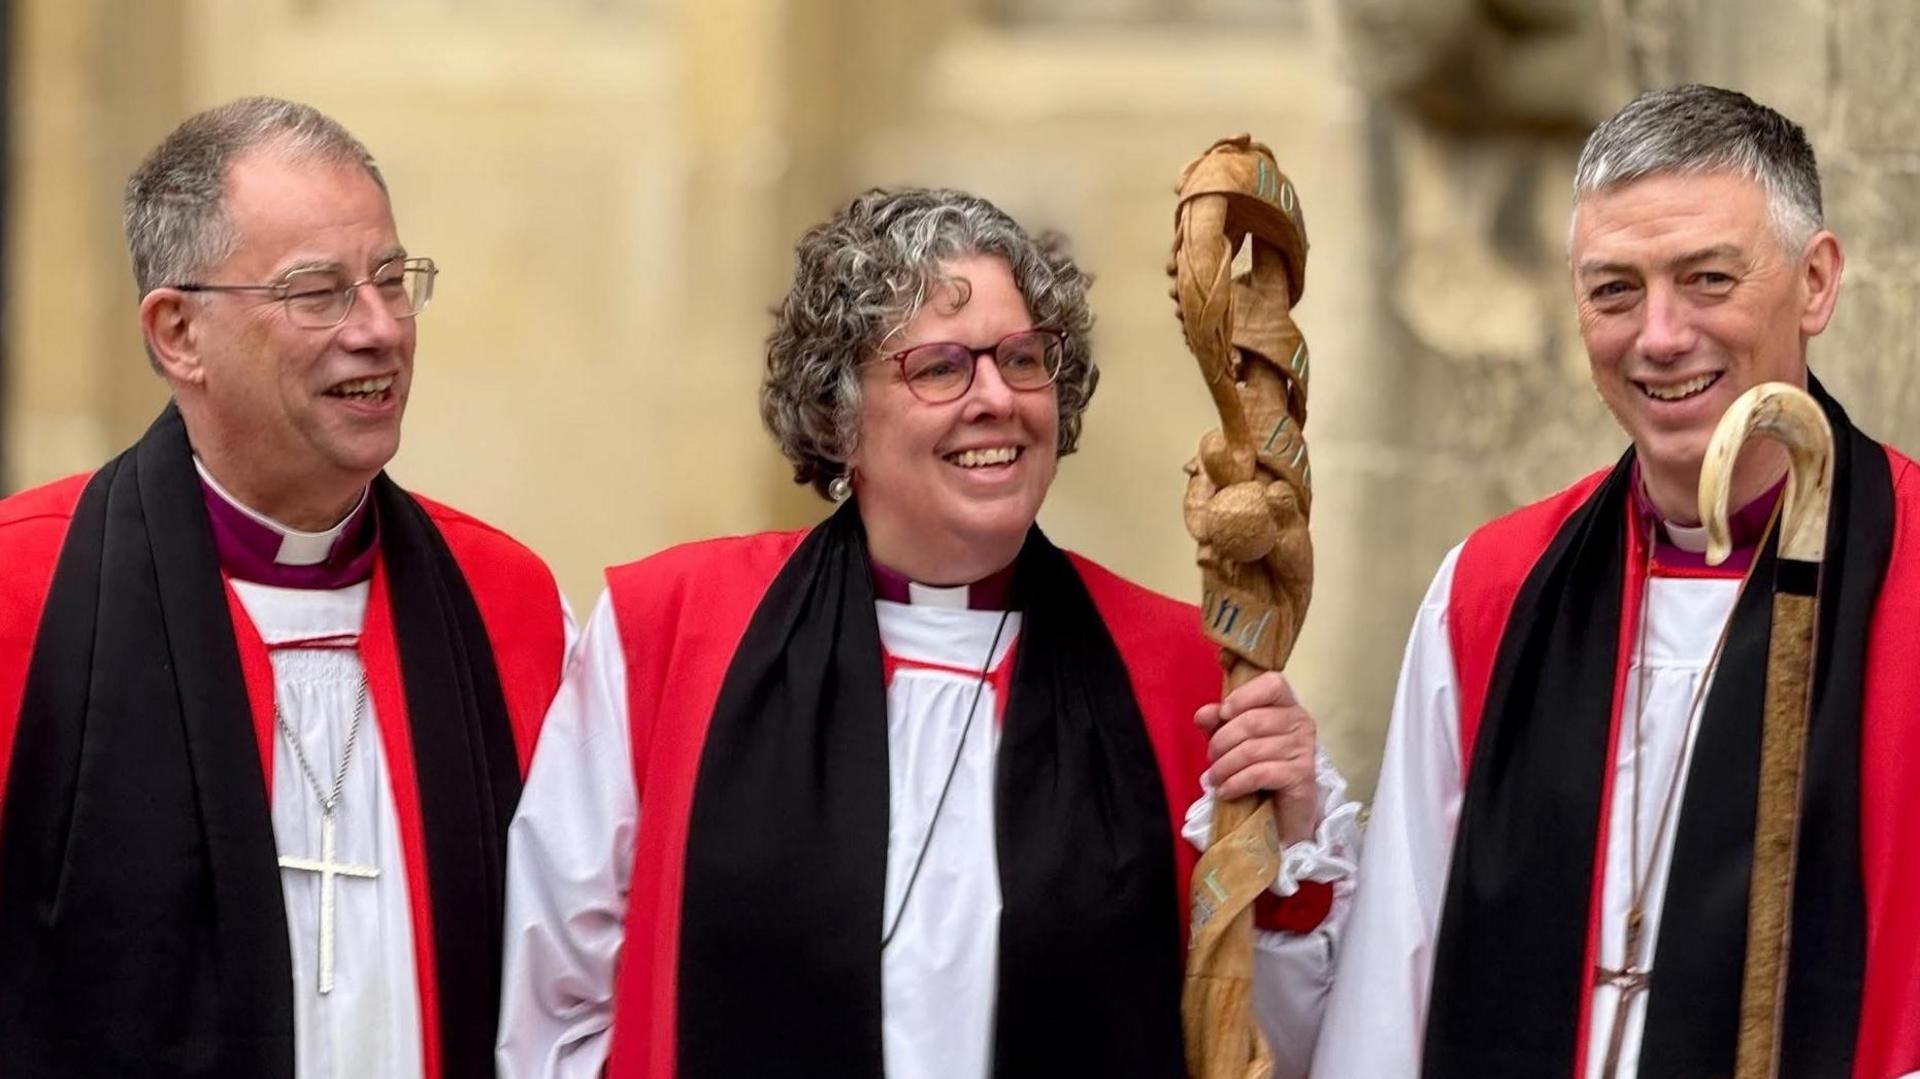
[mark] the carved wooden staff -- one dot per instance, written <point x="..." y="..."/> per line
<point x="1246" y="505"/>
<point x="1789" y="416"/>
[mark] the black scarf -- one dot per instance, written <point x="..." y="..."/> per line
<point x="1511" y="957"/>
<point x="787" y="843"/>
<point x="141" y="918"/>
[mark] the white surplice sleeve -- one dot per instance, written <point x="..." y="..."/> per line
<point x="569" y="860"/>
<point x="1377" y="1013"/>
<point x="1292" y="971"/>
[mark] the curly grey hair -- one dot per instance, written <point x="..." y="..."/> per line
<point x="175" y="207"/>
<point x="1694" y="129"/>
<point x="863" y="274"/>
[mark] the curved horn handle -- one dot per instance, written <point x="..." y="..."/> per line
<point x="1791" y="417"/>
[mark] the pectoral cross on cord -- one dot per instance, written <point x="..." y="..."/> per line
<point x="1635" y="975"/>
<point x="1629" y="979"/>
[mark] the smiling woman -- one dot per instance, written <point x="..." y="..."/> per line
<point x="862" y="279"/>
<point x="869" y="826"/>
<point x="958" y="436"/>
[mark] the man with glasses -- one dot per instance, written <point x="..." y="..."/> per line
<point x="263" y="714"/>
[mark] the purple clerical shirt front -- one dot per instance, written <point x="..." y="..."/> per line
<point x="254" y="547"/>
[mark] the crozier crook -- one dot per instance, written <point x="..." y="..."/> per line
<point x="1246" y="505"/>
<point x="1789" y="416"/>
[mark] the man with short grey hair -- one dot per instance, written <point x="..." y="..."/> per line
<point x="1555" y="878"/>
<point x="263" y="714"/>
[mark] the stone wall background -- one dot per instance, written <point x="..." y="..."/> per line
<point x="614" y="187"/>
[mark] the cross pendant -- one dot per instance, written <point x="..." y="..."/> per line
<point x="330" y="870"/>
<point x="1629" y="980"/>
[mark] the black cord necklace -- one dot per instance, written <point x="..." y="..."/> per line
<point x="953" y="768"/>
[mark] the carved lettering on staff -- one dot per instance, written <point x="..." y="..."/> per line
<point x="1238" y="623"/>
<point x="1220" y="613"/>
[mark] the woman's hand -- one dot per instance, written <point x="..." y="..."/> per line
<point x="1260" y="738"/>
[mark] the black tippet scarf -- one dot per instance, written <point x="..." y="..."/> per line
<point x="1511" y="957"/>
<point x="142" y="926"/>
<point x="779" y="969"/>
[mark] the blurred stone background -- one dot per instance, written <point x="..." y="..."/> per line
<point x="613" y="188"/>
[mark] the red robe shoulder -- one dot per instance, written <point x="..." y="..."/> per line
<point x="520" y="605"/>
<point x="1889" y="775"/>
<point x="1494" y="563"/>
<point x="33" y="526"/>
<point x="681" y="614"/>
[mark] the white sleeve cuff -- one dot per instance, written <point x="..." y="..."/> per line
<point x="1330" y="855"/>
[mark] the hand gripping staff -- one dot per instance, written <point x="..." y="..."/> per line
<point x="1247" y="500"/>
<point x="1791" y="417"/>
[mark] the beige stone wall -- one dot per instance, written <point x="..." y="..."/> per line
<point x="88" y="83"/>
<point x="1846" y="69"/>
<point x="613" y="188"/>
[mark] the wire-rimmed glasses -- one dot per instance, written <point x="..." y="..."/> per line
<point x="320" y="299"/>
<point x="942" y="371"/>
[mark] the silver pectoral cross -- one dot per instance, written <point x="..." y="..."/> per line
<point x="329" y="870"/>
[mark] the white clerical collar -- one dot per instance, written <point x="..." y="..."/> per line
<point x="297" y="548"/>
<point x="1687" y="537"/>
<point x="927" y="595"/>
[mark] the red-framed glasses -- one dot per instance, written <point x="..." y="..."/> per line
<point x="942" y="371"/>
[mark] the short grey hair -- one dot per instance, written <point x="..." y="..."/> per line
<point x="863" y="274"/>
<point x="175" y="208"/>
<point x="1695" y="129"/>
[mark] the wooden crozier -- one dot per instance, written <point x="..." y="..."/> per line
<point x="1246" y="505"/>
<point x="1789" y="416"/>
